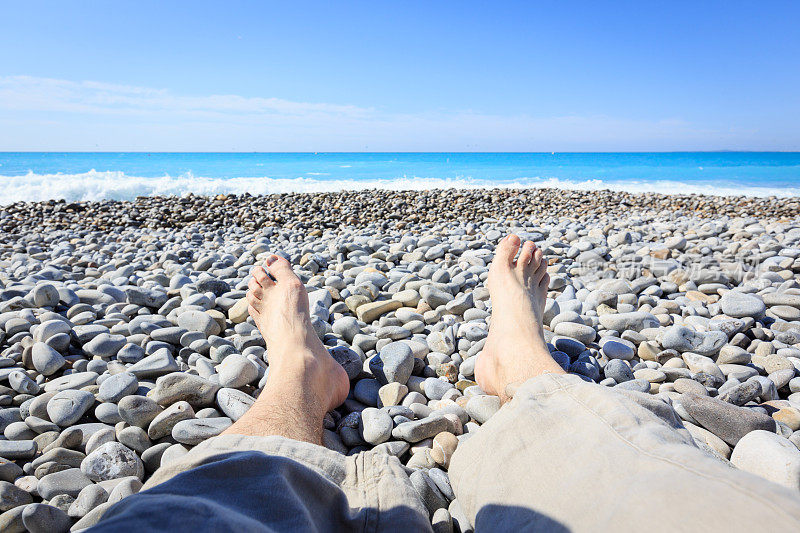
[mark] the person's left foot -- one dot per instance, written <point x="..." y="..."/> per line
<point x="298" y="360"/>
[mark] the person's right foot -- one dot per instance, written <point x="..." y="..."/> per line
<point x="515" y="349"/>
<point x="279" y="306"/>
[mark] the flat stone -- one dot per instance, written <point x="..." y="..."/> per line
<point x="195" y="431"/>
<point x="180" y="386"/>
<point x="234" y="403"/>
<point x="614" y="348"/>
<point x="146" y="297"/>
<point x="77" y="380"/>
<point x="434" y="296"/>
<point x="418" y="430"/>
<point x="104" y="345"/>
<point x="738" y="305"/>
<point x="68" y="406"/>
<point x="684" y="385"/>
<point x="727" y="421"/>
<point x="42" y="518"/>
<point x="685" y="339"/>
<point x="70" y="481"/>
<point x="17" y="449"/>
<point x="194" y="320"/>
<point x="152" y="366"/>
<point x="370" y="311"/>
<point x="12" y="496"/>
<point x="435" y="388"/>
<point x="635" y="321"/>
<point x="117" y="387"/>
<point x="650" y="374"/>
<point x="580" y="332"/>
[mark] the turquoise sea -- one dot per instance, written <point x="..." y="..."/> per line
<point x="90" y="176"/>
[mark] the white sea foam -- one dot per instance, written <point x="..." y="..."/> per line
<point x="119" y="186"/>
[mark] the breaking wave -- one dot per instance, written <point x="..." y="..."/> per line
<point x="95" y="185"/>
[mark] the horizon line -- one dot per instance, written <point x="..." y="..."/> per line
<point x="322" y="152"/>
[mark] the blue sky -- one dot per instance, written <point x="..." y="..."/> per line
<point x="396" y="76"/>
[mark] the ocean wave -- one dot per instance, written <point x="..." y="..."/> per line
<point x="95" y="185"/>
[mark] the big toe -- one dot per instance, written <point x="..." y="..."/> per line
<point x="280" y="269"/>
<point x="506" y="250"/>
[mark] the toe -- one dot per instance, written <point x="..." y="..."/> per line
<point x="544" y="284"/>
<point x="525" y="256"/>
<point x="280" y="269"/>
<point x="541" y="266"/>
<point x="261" y="276"/>
<point x="253" y="311"/>
<point x="506" y="250"/>
<point x="254" y="289"/>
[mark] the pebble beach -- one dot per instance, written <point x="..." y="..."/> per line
<point x="125" y="338"/>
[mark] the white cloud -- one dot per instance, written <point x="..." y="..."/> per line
<point x="52" y="114"/>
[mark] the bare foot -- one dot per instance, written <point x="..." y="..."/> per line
<point x="305" y="382"/>
<point x="515" y="349"/>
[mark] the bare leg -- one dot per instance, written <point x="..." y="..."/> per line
<point x="305" y="382"/>
<point x="515" y="349"/>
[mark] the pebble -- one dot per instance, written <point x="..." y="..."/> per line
<point x="483" y="407"/>
<point x="418" y="430"/>
<point x="393" y="364"/>
<point x="117" y="387"/>
<point x="738" y="305"/>
<point x="182" y="387"/>
<point x="195" y="430"/>
<point x="201" y="321"/>
<point x="138" y="410"/>
<point x="237" y="371"/>
<point x="618" y="370"/>
<point x="770" y="456"/>
<point x="41" y="518"/>
<point x="46" y="360"/>
<point x="234" y="403"/>
<point x="376" y="426"/>
<point x="12" y="496"/>
<point x="112" y="460"/>
<point x="428" y="492"/>
<point x="444" y="445"/>
<point x="89" y="497"/>
<point x="618" y="349"/>
<point x="727" y="421"/>
<point x="70" y="481"/>
<point x="68" y="406"/>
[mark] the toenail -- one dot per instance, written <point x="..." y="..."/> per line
<point x="271" y="259"/>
